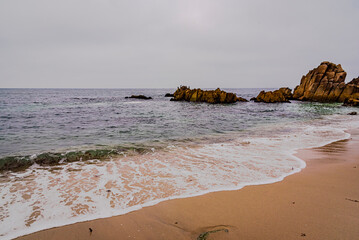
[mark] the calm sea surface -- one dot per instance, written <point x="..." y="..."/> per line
<point x="191" y="149"/>
<point x="38" y="120"/>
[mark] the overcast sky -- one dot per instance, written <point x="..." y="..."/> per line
<point x="164" y="44"/>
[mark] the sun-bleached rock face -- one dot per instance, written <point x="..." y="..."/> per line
<point x="326" y="84"/>
<point x="184" y="93"/>
<point x="280" y="95"/>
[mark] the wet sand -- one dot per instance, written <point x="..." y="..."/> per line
<point x="321" y="202"/>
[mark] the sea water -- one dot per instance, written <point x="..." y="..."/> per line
<point x="177" y="149"/>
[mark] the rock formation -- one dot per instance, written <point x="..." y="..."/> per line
<point x="17" y="163"/>
<point x="351" y="102"/>
<point x="351" y="92"/>
<point x="169" y="95"/>
<point x="184" y="93"/>
<point x="326" y="84"/>
<point x="139" y="97"/>
<point x="280" y="95"/>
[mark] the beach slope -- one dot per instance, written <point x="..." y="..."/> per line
<point x="321" y="202"/>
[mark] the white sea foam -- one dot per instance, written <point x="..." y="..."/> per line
<point x="42" y="198"/>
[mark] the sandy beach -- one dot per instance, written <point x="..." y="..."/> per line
<point x="171" y="120"/>
<point x="320" y="202"/>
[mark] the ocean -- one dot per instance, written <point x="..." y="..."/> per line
<point x="144" y="151"/>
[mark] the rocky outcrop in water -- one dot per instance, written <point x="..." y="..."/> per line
<point x="351" y="90"/>
<point x="280" y="95"/>
<point x="48" y="159"/>
<point x="326" y="84"/>
<point x="184" y="93"/>
<point x="351" y="102"/>
<point x="15" y="163"/>
<point x="18" y="163"/>
<point x="140" y="97"/>
<point x="169" y="95"/>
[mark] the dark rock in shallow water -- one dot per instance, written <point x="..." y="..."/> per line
<point x="169" y="95"/>
<point x="48" y="158"/>
<point x="326" y="84"/>
<point x="280" y="95"/>
<point x="351" y="102"/>
<point x="73" y="156"/>
<point x="240" y="99"/>
<point x="97" y="154"/>
<point x="18" y="163"/>
<point x="15" y="163"/>
<point x="88" y="155"/>
<point x="184" y="93"/>
<point x="140" y="97"/>
<point x="352" y="113"/>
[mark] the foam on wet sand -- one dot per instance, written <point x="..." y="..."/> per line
<point x="67" y="195"/>
<point x="314" y="204"/>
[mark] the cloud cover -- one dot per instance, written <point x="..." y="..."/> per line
<point x="162" y="43"/>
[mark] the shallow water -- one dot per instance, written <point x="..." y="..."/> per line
<point x="194" y="149"/>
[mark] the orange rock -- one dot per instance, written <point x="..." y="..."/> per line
<point x="280" y="95"/>
<point x="184" y="93"/>
<point x="326" y="84"/>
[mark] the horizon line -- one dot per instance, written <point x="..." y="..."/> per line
<point x="133" y="87"/>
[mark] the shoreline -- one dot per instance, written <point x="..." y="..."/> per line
<point x="214" y="212"/>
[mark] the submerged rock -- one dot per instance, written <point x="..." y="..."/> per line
<point x="352" y="113"/>
<point x="169" y="95"/>
<point x="280" y="95"/>
<point x="88" y="155"/>
<point x="97" y="154"/>
<point x="19" y="163"/>
<point x="140" y="97"/>
<point x="184" y="93"/>
<point x="326" y="84"/>
<point x="48" y="158"/>
<point x="15" y="163"/>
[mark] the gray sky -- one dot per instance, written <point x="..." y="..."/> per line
<point x="163" y="43"/>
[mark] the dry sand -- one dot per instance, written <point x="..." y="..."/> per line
<point x="317" y="203"/>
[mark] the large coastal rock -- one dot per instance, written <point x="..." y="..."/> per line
<point x="326" y="84"/>
<point x="184" y="93"/>
<point x="280" y="95"/>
